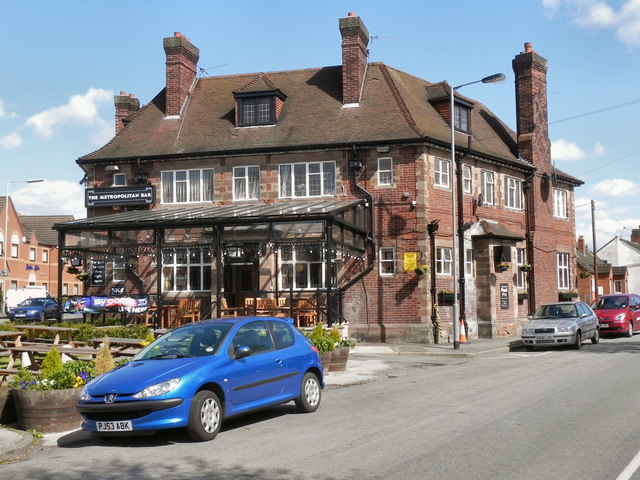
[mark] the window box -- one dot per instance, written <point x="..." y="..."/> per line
<point x="445" y="298"/>
<point x="567" y="296"/>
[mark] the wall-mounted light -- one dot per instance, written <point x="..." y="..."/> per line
<point x="141" y="177"/>
<point x="405" y="196"/>
<point x="111" y="168"/>
<point x="382" y="148"/>
<point x="413" y="204"/>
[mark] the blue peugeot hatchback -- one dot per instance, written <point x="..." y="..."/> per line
<point x="201" y="373"/>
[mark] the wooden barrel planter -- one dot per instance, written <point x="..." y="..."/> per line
<point x="325" y="361"/>
<point x="7" y="409"/>
<point x="47" y="412"/>
<point x="339" y="358"/>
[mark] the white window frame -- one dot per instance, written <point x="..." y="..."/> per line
<point x="65" y="289"/>
<point x="15" y="249"/>
<point x="303" y="180"/>
<point x="181" y="267"/>
<point x="443" y="261"/>
<point x="488" y="187"/>
<point x="462" y="118"/>
<point x="387" y="265"/>
<point x="32" y="254"/>
<point x="442" y="170"/>
<point x="76" y="290"/>
<point x="119" y="180"/>
<point x="300" y="266"/>
<point x="521" y="275"/>
<point x="467" y="180"/>
<point x="514" y="193"/>
<point x="617" y="286"/>
<point x="246" y="182"/>
<point x="385" y="171"/>
<point x="187" y="186"/>
<point x="563" y="271"/>
<point x="45" y="256"/>
<point x="560" y="203"/>
<point x="468" y="262"/>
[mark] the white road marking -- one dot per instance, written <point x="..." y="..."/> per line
<point x="628" y="472"/>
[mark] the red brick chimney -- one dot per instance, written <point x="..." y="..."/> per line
<point x="355" y="39"/>
<point x="126" y="106"/>
<point x="182" y="58"/>
<point x="531" y="109"/>
<point x="581" y="244"/>
<point x="635" y="235"/>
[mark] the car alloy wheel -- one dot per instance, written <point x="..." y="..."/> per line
<point x="310" y="394"/>
<point x="630" y="329"/>
<point x="578" y="342"/>
<point x="205" y="416"/>
<point x="596" y="337"/>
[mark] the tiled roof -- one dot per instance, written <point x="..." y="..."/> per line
<point x="495" y="229"/>
<point x="42" y="226"/>
<point x="394" y="108"/>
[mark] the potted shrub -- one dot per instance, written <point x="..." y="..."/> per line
<point x="47" y="402"/>
<point x="526" y="267"/>
<point x="320" y="338"/>
<point x="504" y="266"/>
<point x="340" y="352"/>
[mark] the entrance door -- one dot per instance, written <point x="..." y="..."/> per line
<point x="240" y="282"/>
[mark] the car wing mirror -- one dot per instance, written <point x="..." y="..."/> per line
<point x="241" y="352"/>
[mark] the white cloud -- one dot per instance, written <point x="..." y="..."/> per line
<point x="80" y="110"/>
<point x="615" y="187"/>
<point x="13" y="140"/>
<point x="562" y="150"/>
<point x="598" y="149"/>
<point x="50" y="198"/>
<point x="598" y="14"/>
<point x="4" y="113"/>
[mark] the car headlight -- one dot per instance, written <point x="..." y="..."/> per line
<point x="620" y="317"/>
<point x="84" y="395"/>
<point x="563" y="329"/>
<point x="158" y="389"/>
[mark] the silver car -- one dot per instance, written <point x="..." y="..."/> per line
<point x="563" y="323"/>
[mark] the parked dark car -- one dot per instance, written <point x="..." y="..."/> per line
<point x="36" y="309"/>
<point x="563" y="323"/>
<point x="202" y="373"/>
<point x="618" y="313"/>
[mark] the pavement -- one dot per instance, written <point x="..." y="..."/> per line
<point x="365" y="362"/>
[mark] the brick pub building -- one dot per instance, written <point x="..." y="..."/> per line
<point x="333" y="183"/>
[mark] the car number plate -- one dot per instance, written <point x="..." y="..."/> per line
<point x="114" y="426"/>
<point x="545" y="337"/>
<point x="20" y="315"/>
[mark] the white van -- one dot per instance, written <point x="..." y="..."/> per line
<point x="14" y="296"/>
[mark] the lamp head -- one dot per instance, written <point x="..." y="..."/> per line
<point x="495" y="78"/>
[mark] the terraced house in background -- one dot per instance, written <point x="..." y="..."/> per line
<point x="333" y="184"/>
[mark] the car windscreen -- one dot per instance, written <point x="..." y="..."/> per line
<point x="191" y="341"/>
<point x="32" y="302"/>
<point x="610" y="303"/>
<point x="560" y="310"/>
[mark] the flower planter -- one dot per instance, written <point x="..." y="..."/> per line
<point x="7" y="408"/>
<point x="47" y="411"/>
<point x="445" y="298"/>
<point x="566" y="297"/>
<point x="325" y="361"/>
<point x="339" y="358"/>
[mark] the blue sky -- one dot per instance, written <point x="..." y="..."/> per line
<point x="64" y="61"/>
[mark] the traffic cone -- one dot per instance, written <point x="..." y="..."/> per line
<point x="463" y="335"/>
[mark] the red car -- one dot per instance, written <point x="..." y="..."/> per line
<point x="618" y="313"/>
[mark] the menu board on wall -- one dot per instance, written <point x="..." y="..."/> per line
<point x="98" y="273"/>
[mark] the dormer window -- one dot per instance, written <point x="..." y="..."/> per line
<point x="256" y="111"/>
<point x="462" y="118"/>
<point x="258" y="103"/>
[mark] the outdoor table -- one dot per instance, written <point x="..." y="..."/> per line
<point x="7" y="336"/>
<point x="31" y="350"/>
<point x="121" y="342"/>
<point x="32" y="330"/>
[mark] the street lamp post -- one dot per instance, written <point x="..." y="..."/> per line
<point x="5" y="271"/>
<point x="498" y="77"/>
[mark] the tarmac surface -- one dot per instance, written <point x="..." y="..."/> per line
<point x="17" y="443"/>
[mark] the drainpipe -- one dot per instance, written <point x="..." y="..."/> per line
<point x="432" y="228"/>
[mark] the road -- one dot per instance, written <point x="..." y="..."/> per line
<point x="551" y="414"/>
